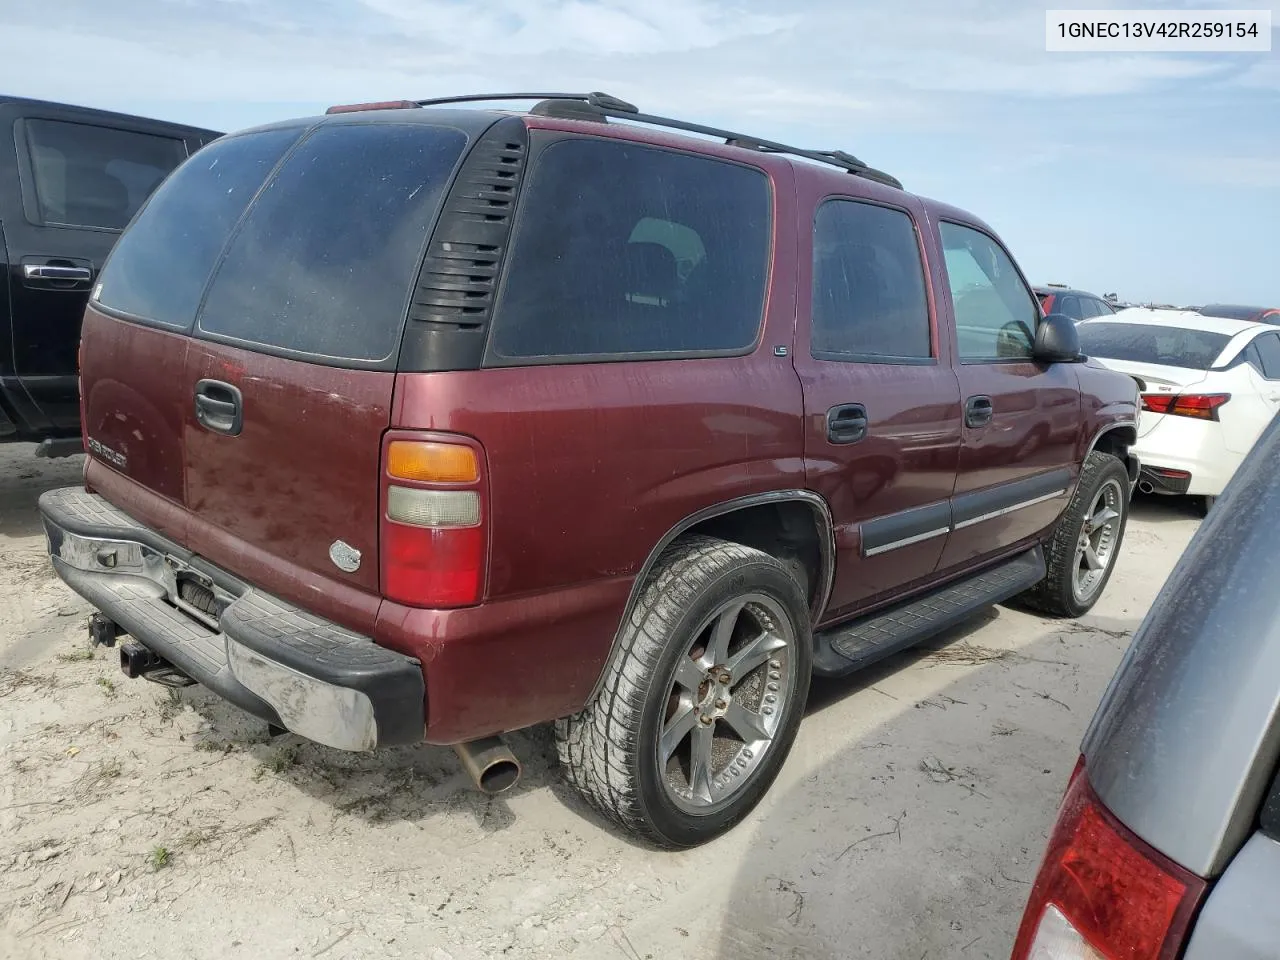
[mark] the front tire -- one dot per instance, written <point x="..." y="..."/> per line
<point x="701" y="699"/>
<point x="1086" y="541"/>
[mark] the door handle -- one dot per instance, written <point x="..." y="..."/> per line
<point x="219" y="407"/>
<point x="48" y="271"/>
<point x="978" y="411"/>
<point x="846" y="423"/>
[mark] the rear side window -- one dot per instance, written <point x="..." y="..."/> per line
<point x="996" y="315"/>
<point x="1268" y="346"/>
<point x="91" y="176"/>
<point x="323" y="263"/>
<point x="159" y="267"/>
<point x="1152" y="343"/>
<point x="1070" y="306"/>
<point x="623" y="250"/>
<point x="869" y="300"/>
<point x="1089" y="308"/>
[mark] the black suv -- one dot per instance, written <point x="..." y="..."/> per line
<point x="71" y="178"/>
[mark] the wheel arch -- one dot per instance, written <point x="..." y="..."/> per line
<point x="767" y="521"/>
<point x="1117" y="439"/>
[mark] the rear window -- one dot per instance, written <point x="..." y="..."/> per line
<point x="1152" y="343"/>
<point x="623" y="250"/>
<point x="323" y="264"/>
<point x="160" y="265"/>
<point x="91" y="176"/>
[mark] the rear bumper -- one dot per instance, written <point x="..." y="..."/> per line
<point x="1188" y="446"/>
<point x="271" y="659"/>
<point x="1161" y="482"/>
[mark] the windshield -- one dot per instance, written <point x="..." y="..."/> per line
<point x="1167" y="346"/>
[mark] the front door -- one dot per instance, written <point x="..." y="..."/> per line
<point x="1021" y="418"/>
<point x="882" y="413"/>
<point x="81" y="184"/>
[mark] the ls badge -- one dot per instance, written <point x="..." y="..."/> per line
<point x="344" y="556"/>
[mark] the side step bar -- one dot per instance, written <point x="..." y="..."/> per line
<point x="852" y="646"/>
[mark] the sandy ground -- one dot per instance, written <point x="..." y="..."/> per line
<point x="907" y="823"/>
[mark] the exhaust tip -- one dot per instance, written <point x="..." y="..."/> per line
<point x="491" y="766"/>
<point x="1146" y="486"/>
<point x="500" y="777"/>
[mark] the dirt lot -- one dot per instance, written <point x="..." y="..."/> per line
<point x="907" y="823"/>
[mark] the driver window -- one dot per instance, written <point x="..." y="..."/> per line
<point x="995" y="313"/>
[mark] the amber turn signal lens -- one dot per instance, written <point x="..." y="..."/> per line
<point x="432" y="462"/>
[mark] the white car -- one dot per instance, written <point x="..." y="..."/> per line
<point x="1209" y="386"/>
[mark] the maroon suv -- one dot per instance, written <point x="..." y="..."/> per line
<point x="428" y="423"/>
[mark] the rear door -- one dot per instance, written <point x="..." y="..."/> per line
<point x="882" y="413"/>
<point x="82" y="179"/>
<point x="289" y="380"/>
<point x="1254" y="402"/>
<point x="275" y="329"/>
<point x="1021" y="418"/>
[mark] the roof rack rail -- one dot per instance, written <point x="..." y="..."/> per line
<point x="603" y="105"/>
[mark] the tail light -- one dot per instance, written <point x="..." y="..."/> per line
<point x="1102" y="893"/>
<point x="433" y="539"/>
<point x="1200" y="406"/>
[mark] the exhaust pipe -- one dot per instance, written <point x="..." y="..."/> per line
<point x="490" y="765"/>
<point x="1146" y="486"/>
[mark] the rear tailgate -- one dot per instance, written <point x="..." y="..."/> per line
<point x="286" y="385"/>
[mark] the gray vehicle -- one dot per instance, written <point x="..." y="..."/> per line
<point x="1168" y="840"/>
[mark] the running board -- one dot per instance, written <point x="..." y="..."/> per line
<point x="851" y="646"/>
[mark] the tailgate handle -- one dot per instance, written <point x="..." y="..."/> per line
<point x="219" y="407"/>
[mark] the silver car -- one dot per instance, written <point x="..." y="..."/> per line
<point x="1167" y="843"/>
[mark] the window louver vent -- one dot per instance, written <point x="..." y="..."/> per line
<point x="453" y="299"/>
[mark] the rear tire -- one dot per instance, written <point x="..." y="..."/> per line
<point x="701" y="699"/>
<point x="1205" y="504"/>
<point x="1082" y="553"/>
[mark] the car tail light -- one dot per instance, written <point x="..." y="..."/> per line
<point x="1201" y="406"/>
<point x="1102" y="893"/>
<point x="433" y="538"/>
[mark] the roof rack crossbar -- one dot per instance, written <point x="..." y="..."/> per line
<point x="609" y="106"/>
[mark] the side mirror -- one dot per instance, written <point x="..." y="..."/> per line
<point x="1057" y="340"/>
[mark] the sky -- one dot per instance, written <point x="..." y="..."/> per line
<point x="1154" y="176"/>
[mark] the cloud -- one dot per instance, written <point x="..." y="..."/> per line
<point x="604" y="28"/>
<point x="1249" y="173"/>
<point x="858" y="58"/>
